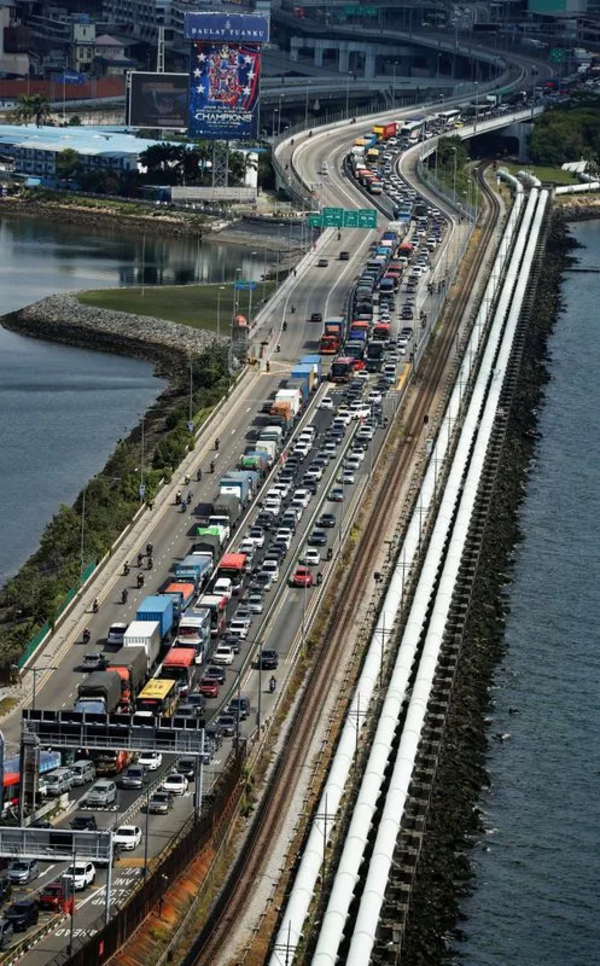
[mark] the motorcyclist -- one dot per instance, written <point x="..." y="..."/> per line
<point x="284" y="326"/>
<point x="124" y="595"/>
<point x="330" y="553"/>
<point x="86" y="636"/>
<point x="149" y="563"/>
<point x="272" y="683"/>
<point x="212" y="466"/>
<point x="149" y="549"/>
<point x="140" y="559"/>
<point x="217" y="444"/>
<point x="178" y="497"/>
<point x="183" y="506"/>
<point x="96" y="605"/>
<point x="293" y="309"/>
<point x="190" y="497"/>
<point x="126" y="568"/>
<point x="186" y="480"/>
<point x="140" y="580"/>
<point x="199" y="475"/>
<point x="319" y="578"/>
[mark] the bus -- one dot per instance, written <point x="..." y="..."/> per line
<point x="233" y="566"/>
<point x="412" y="129"/>
<point x="194" y="632"/>
<point x="217" y="605"/>
<point x="449" y="118"/>
<point x="179" y="666"/>
<point x="158" y="698"/>
<point x="356" y="350"/>
<point x="342" y="369"/>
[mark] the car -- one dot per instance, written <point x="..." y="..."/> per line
<point x="302" y="498"/>
<point x="127" y="837"/>
<point x="317" y="538"/>
<point x="326" y="520"/>
<point x="344" y="256"/>
<point x="228" y="724"/>
<point x="280" y="489"/>
<point x="361" y="374"/>
<point x="311" y="557"/>
<point x="352" y="462"/>
<point x="360" y="410"/>
<point x="94" y="661"/>
<point x="102" y="793"/>
<point x="223" y="655"/>
<point x="256" y="535"/>
<point x="336" y="495"/>
<point x="265" y="519"/>
<point x="344" y="416"/>
<point x="151" y="760"/>
<point x="185" y="710"/>
<point x="301" y="449"/>
<point x="6" y="933"/>
<point x="160" y="803"/>
<point x="330" y="449"/>
<point x="84" y="823"/>
<point x="272" y="504"/>
<point x="239" y="628"/>
<point x="255" y="604"/>
<point x="316" y="317"/>
<point x="326" y="403"/>
<point x="268" y="660"/>
<point x="232" y="640"/>
<point x="347" y="478"/>
<point x="301" y="577"/>
<point x="54" y="897"/>
<point x="133" y="777"/>
<point x="278" y="550"/>
<point x="175" y="783"/>
<point x="290" y="518"/>
<point x="209" y="688"/>
<point x="187" y="767"/>
<point x="239" y="707"/>
<point x="285" y="535"/>
<point x="261" y="582"/>
<point x="223" y="587"/>
<point x="22" y="871"/>
<point x="248" y="548"/>
<point x="80" y="875"/>
<point x="323" y="263"/>
<point x="22" y="914"/>
<point x="375" y="397"/>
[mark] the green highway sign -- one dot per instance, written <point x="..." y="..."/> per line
<point x="351" y="218"/>
<point x="557" y="55"/>
<point x="315" y="220"/>
<point x="367" y="218"/>
<point x="333" y="217"/>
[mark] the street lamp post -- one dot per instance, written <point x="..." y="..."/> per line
<point x="306" y="106"/>
<point x="437" y="66"/>
<point x="82" y="532"/>
<point x="348" y="95"/>
<point x="454" y="181"/>
<point x="259" y="707"/>
<point x="219" y="290"/>
<point x="394" y="65"/>
<point x="476" y="106"/>
<point x="35" y="671"/>
<point x="253" y="255"/>
<point x="275" y="111"/>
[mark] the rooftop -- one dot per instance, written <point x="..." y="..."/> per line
<point x="85" y="140"/>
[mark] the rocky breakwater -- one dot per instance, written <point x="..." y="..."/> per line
<point x="62" y="318"/>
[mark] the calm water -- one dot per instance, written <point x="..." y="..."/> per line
<point x="537" y="896"/>
<point x="61" y="409"/>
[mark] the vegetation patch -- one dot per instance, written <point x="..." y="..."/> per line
<point x="568" y="132"/>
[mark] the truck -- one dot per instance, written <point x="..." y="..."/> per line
<point x="194" y="631"/>
<point x="131" y="667"/>
<point x="268" y="446"/>
<point x="254" y="460"/>
<point x="157" y="607"/>
<point x="182" y="593"/>
<point x="305" y="372"/>
<point x="99" y="693"/>
<point x="251" y="477"/>
<point x="235" y="488"/>
<point x="301" y="385"/>
<point x="195" y="569"/>
<point x="313" y="360"/>
<point x="144" y="634"/>
<point x="226" y="508"/>
<point x="282" y="409"/>
<point x="384" y="131"/>
<point x="374" y="360"/>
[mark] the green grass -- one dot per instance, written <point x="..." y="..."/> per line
<point x="194" y="305"/>
<point x="555" y="175"/>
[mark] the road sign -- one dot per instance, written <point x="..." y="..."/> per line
<point x="367" y="218"/>
<point x="351" y="218"/>
<point x="333" y="217"/>
<point x="242" y="285"/>
<point x="315" y="220"/>
<point x="557" y="55"/>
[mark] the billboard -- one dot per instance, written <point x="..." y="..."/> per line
<point x="223" y="90"/>
<point x="235" y="28"/>
<point x="158" y="100"/>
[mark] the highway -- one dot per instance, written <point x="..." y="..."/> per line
<point x="324" y="289"/>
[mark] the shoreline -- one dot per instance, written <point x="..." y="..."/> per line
<point x="164" y="222"/>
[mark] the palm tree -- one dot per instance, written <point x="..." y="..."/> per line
<point x="32" y="105"/>
<point x="41" y="109"/>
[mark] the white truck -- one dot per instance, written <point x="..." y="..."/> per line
<point x="144" y="634"/>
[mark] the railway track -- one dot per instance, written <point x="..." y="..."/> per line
<point x="433" y="376"/>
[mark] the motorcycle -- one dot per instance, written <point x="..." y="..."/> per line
<point x="272" y="684"/>
<point x="199" y="476"/>
<point x="149" y="549"/>
<point x="178" y="498"/>
<point x="149" y="563"/>
<point x="183" y="507"/>
<point x="126" y="568"/>
<point x="217" y="444"/>
<point x="319" y="579"/>
<point x="140" y="580"/>
<point x="124" y="595"/>
<point x="186" y="480"/>
<point x="212" y="467"/>
<point x="284" y="326"/>
<point x="86" y="636"/>
<point x="330" y="553"/>
<point x="96" y="606"/>
<point x="140" y="559"/>
<point x="190" y="497"/>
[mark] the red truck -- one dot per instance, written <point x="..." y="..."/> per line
<point x="331" y="339"/>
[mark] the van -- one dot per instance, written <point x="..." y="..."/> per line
<point x="271" y="567"/>
<point x="83" y="771"/>
<point x="116" y="633"/>
<point x="59" y="781"/>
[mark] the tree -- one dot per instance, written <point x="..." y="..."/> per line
<point x="68" y="164"/>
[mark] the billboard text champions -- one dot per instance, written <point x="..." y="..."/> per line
<point x="224" y="84"/>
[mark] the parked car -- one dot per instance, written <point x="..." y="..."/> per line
<point x="22" y="871"/>
<point x="22" y="914"/>
<point x="80" y="875"/>
<point x="128" y="837"/>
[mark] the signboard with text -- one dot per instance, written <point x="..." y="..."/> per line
<point x="223" y="96"/>
<point x="158" y="100"/>
<point x="237" y="28"/>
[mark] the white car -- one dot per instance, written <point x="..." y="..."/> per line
<point x="80" y="874"/>
<point x="128" y="837"/>
<point x="223" y="655"/>
<point x="285" y="535"/>
<point x="362" y="374"/>
<point x="311" y="557"/>
<point x="150" y="760"/>
<point x="301" y="497"/>
<point x="223" y="587"/>
<point x="175" y="783"/>
<point x="360" y="410"/>
<point x="326" y="403"/>
<point x="272" y="505"/>
<point x="347" y="477"/>
<point x="375" y="397"/>
<point x="343" y="416"/>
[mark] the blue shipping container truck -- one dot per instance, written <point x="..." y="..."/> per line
<point x="301" y="383"/>
<point x="193" y="567"/>
<point x="314" y="362"/>
<point x="157" y="607"/>
<point x="252" y="477"/>
<point x="241" y="484"/>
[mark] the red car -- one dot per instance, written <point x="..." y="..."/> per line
<point x="302" y="577"/>
<point x="54" y="897"/>
<point x="209" y="688"/>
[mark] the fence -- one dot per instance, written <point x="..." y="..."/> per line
<point x="41" y="635"/>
